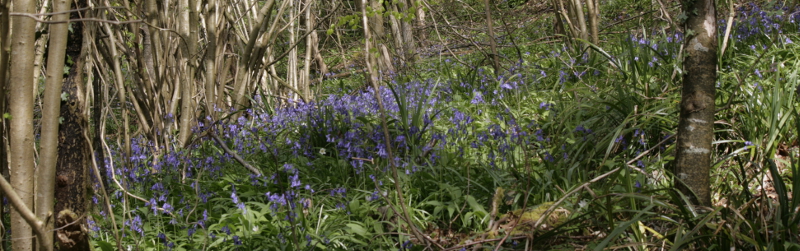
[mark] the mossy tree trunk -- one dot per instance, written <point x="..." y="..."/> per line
<point x="696" y="124"/>
<point x="72" y="180"/>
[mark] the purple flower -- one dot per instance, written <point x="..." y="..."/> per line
<point x="478" y="99"/>
<point x="295" y="180"/>
<point x="548" y="157"/>
<point x="163" y="237"/>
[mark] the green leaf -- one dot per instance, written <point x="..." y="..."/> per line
<point x="64" y="96"/>
<point x="357" y="229"/>
<point x="6" y="116"/>
<point x="105" y="246"/>
<point x="474" y="204"/>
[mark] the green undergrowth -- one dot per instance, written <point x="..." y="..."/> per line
<point x="582" y="136"/>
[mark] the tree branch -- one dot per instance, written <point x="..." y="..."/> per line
<point x="23" y="210"/>
<point x="239" y="159"/>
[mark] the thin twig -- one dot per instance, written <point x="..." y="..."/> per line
<point x="64" y="12"/>
<point x="630" y="162"/>
<point x="73" y="20"/>
<point x="103" y="189"/>
<point x="483" y="241"/>
<point x="227" y="150"/>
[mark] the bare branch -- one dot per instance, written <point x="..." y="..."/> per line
<point x="33" y="16"/>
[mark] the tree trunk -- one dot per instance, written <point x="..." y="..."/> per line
<point x="369" y="57"/>
<point x="492" y="39"/>
<point x="188" y="29"/>
<point x="592" y="8"/>
<point x="410" y="47"/>
<point x="46" y="173"/>
<point x="5" y="51"/>
<point x="72" y="180"/>
<point x="21" y="110"/>
<point x="210" y="60"/>
<point x="306" y="86"/>
<point x="696" y="124"/>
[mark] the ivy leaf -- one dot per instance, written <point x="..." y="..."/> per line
<point x="689" y="33"/>
<point x="6" y="116"/>
<point x="682" y="17"/>
<point x="64" y="96"/>
<point x="60" y="120"/>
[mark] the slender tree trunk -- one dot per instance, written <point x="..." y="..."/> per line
<point x="376" y="20"/>
<point x="591" y="7"/>
<point x="210" y="60"/>
<point x="188" y="29"/>
<point x="410" y="46"/>
<point x="5" y="51"/>
<point x="368" y="56"/>
<point x="21" y="110"/>
<point x="291" y="69"/>
<point x="46" y="173"/>
<point x="419" y="23"/>
<point x="306" y="88"/>
<point x="577" y="8"/>
<point x="492" y="39"/>
<point x="243" y="75"/>
<point x="397" y="34"/>
<point x="696" y="124"/>
<point x="38" y="60"/>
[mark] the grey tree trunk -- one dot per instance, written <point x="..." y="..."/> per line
<point x="46" y="173"/>
<point x="696" y="124"/>
<point x="210" y="60"/>
<point x="188" y="30"/>
<point x="21" y="110"/>
<point x="492" y="40"/>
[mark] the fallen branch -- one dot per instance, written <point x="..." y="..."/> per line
<point x="239" y="159"/>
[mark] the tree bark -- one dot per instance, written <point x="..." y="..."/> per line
<point x="243" y="75"/>
<point x="592" y="8"/>
<point x="492" y="39"/>
<point x="46" y="173"/>
<point x="696" y="124"/>
<point x="210" y="60"/>
<point x="72" y="180"/>
<point x="5" y="51"/>
<point x="369" y="57"/>
<point x="188" y="29"/>
<point x="410" y="47"/>
<point x="21" y="110"/>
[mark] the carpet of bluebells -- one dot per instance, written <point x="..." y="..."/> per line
<point x="555" y="119"/>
